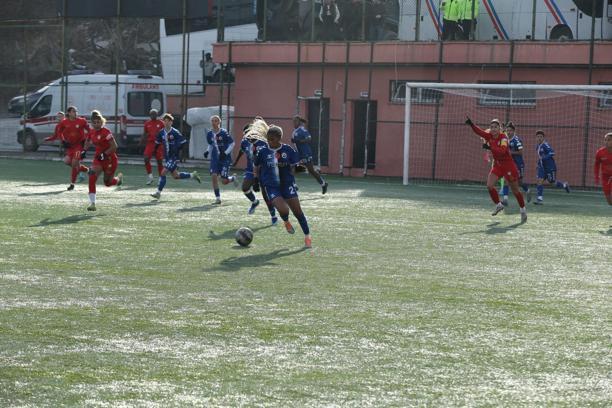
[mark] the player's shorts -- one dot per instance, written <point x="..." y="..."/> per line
<point x="108" y="165"/>
<point x="521" y="169"/>
<point x="506" y="170"/>
<point x="606" y="184"/>
<point x="150" y="150"/>
<point x="221" y="168"/>
<point x="249" y="175"/>
<point x="171" y="165"/>
<point x="74" y="152"/>
<point x="285" y="191"/>
<point x="546" y="174"/>
<point x="306" y="159"/>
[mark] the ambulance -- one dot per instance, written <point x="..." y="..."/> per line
<point x="137" y="95"/>
<point x="559" y="20"/>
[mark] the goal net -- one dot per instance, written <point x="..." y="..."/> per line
<point x="438" y="146"/>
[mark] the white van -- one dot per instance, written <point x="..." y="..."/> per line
<point x="138" y="94"/>
<point x="513" y="20"/>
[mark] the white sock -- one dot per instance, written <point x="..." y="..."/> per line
<point x="523" y="210"/>
<point x="92" y="198"/>
<point x="151" y="175"/>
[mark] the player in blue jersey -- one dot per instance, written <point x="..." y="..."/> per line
<point x="301" y="138"/>
<point x="275" y="165"/>
<point x="516" y="150"/>
<point x="171" y="141"/>
<point x="250" y="184"/>
<point x="547" y="169"/>
<point x="220" y="146"/>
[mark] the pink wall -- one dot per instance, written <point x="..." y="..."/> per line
<point x="267" y="77"/>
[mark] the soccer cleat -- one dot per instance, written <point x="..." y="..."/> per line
<point x="149" y="180"/>
<point x="70" y="187"/>
<point x="523" y="217"/>
<point x="498" y="208"/>
<point x="539" y="201"/>
<point x="274" y="220"/>
<point x="196" y="176"/>
<point x="92" y="207"/>
<point x="324" y="187"/>
<point x="156" y="195"/>
<point x="308" y="241"/>
<point x="235" y="180"/>
<point x="289" y="227"/>
<point x="528" y="194"/>
<point x="119" y="179"/>
<point x="80" y="177"/>
<point x="217" y="201"/>
<point x="253" y="207"/>
<point x="566" y="187"/>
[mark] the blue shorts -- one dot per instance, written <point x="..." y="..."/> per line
<point x="171" y="165"/>
<point x="548" y="175"/>
<point x="220" y="167"/>
<point x="285" y="191"/>
<point x="521" y="169"/>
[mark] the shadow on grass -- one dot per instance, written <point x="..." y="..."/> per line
<point x="73" y="219"/>
<point x="151" y="203"/>
<point x="608" y="232"/>
<point x="230" y="234"/>
<point x="234" y="263"/>
<point x="200" y="208"/>
<point x="44" y="193"/>
<point x="38" y="185"/>
<point x="494" y="228"/>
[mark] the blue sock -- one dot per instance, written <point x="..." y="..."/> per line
<point x="303" y="223"/>
<point x="525" y="187"/>
<point x="505" y="190"/>
<point x="217" y="193"/>
<point x="540" y="190"/>
<point x="559" y="184"/>
<point x="184" y="175"/>
<point x="285" y="217"/>
<point x="250" y="196"/>
<point x="271" y="209"/>
<point x="162" y="183"/>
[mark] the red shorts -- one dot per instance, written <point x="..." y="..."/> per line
<point x="109" y="165"/>
<point x="150" y="150"/>
<point x="506" y="170"/>
<point x="606" y="183"/>
<point x="74" y="152"/>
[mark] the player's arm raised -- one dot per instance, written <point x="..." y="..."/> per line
<point x="479" y="131"/>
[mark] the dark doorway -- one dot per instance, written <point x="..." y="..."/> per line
<point x="319" y="132"/>
<point x="360" y="122"/>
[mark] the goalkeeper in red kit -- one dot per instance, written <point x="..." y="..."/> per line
<point x="503" y="165"/>
<point x="603" y="166"/>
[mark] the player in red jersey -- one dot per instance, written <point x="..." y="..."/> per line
<point x="105" y="159"/>
<point x="151" y="128"/>
<point x="73" y="131"/>
<point x="56" y="134"/>
<point x="603" y="166"/>
<point x="503" y="165"/>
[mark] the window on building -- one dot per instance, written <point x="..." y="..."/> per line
<point x="507" y="97"/>
<point x="397" y="93"/>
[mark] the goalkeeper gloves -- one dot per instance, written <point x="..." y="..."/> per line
<point x="65" y="144"/>
<point x="101" y="156"/>
<point x="206" y="154"/>
<point x="468" y="121"/>
<point x="83" y="154"/>
<point x="486" y="146"/>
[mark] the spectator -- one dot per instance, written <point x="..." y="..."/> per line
<point x="450" y="30"/>
<point x="209" y="67"/>
<point x="304" y="19"/>
<point x="352" y="20"/>
<point x="329" y="15"/>
<point x="376" y="20"/>
<point x="468" y="13"/>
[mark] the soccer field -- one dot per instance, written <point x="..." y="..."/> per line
<point x="411" y="296"/>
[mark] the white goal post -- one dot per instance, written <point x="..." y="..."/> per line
<point x="575" y="115"/>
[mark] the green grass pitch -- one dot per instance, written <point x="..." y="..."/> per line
<point x="411" y="296"/>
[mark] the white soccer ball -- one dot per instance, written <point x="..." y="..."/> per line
<point x="244" y="236"/>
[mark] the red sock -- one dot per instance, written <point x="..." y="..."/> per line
<point x="111" y="182"/>
<point x="83" y="168"/>
<point x="148" y="167"/>
<point x="92" y="183"/>
<point x="494" y="195"/>
<point x="520" y="199"/>
<point x="160" y="167"/>
<point x="73" y="174"/>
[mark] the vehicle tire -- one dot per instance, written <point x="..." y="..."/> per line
<point x="30" y="144"/>
<point x="561" y="33"/>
